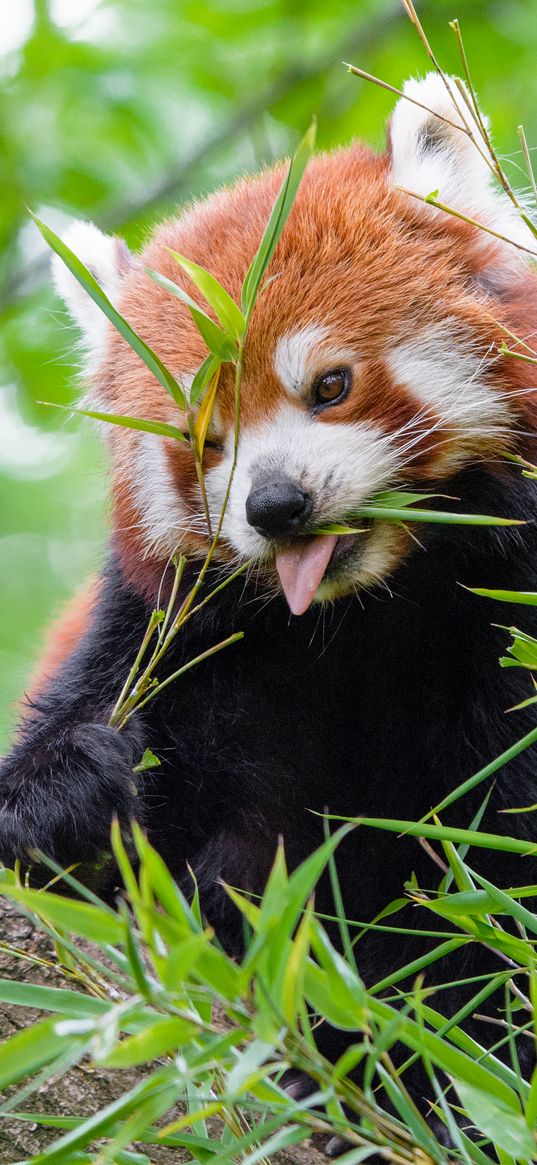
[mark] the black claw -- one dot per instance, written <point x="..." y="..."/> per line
<point x="336" y="1146"/>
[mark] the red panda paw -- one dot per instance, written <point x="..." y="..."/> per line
<point x="61" y="789"/>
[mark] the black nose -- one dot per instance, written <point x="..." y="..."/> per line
<point x="278" y="506"/>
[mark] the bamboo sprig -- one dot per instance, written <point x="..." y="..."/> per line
<point x="159" y="687"/>
<point x="433" y="200"/>
<point x="528" y="161"/>
<point x="399" y="93"/>
<point x="139" y="689"/>
<point x="493" y="158"/>
<point x="468" y="97"/>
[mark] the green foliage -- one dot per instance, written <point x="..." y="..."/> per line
<point x="277" y="220"/>
<point x="216" y="1037"/>
<point x="231" y="317"/>
<point x="522" y="651"/>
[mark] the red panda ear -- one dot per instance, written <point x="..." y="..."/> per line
<point x="109" y="259"/>
<point x="429" y="154"/>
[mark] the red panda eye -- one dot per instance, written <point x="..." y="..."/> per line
<point x="331" y="388"/>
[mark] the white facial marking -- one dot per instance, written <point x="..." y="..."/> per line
<point x="445" y="371"/>
<point x="292" y="355"/>
<point x="339" y="464"/>
<point x="297" y="355"/>
<point x="164" y="517"/>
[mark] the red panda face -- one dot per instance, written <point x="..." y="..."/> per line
<point x="371" y="359"/>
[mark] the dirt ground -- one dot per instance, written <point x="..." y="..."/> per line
<point x="84" y="1090"/>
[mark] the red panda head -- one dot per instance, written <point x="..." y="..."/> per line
<point x="371" y="359"/>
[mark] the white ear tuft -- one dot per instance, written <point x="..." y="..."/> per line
<point x="428" y="154"/>
<point x="108" y="258"/>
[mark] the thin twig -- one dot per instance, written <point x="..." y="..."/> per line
<point x="399" y="93"/>
<point x="528" y="161"/>
<point x="432" y="200"/>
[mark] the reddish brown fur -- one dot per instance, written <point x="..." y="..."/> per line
<point x="356" y="255"/>
<point x="63" y="636"/>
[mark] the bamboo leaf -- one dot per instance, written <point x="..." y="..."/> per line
<point x="381" y="511"/>
<point x="447" y="1057"/>
<point x="335" y="528"/>
<point x="205" y="412"/>
<point x="55" y="999"/>
<point x="29" y="1050"/>
<point x="67" y="914"/>
<point x="96" y="293"/>
<point x="160" y="428"/>
<point x="504" y="1124"/>
<point x="444" y="517"/>
<point x="444" y="832"/>
<point x="161" y="1038"/>
<point x="292" y="987"/>
<point x="148" y="761"/>
<point x="162" y="1082"/>
<point x="505" y="903"/>
<point x="224" y="307"/>
<point x="277" y="220"/>
<point x="529" y="598"/>
<point x="399" y="499"/>
<point x="203" y="377"/>
<point x="217" y="341"/>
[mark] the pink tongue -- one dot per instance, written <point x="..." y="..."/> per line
<point x="301" y="568"/>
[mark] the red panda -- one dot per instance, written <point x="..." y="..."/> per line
<point x="367" y="680"/>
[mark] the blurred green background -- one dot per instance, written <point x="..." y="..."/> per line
<point x="122" y="110"/>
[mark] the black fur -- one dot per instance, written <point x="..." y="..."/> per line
<point x="379" y="708"/>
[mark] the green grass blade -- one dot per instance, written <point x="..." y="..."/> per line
<point x="444" y="833"/>
<point x="160" y="428"/>
<point x="67" y="914"/>
<point x="443" y="517"/>
<point x="529" y="598"/>
<point x="224" y="307"/>
<point x="277" y="220"/>
<point x="203" y="377"/>
<point x="100" y="1124"/>
<point x="55" y="999"/>
<point x="96" y="293"/>
<point x="29" y="1050"/>
<point x="483" y="774"/>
